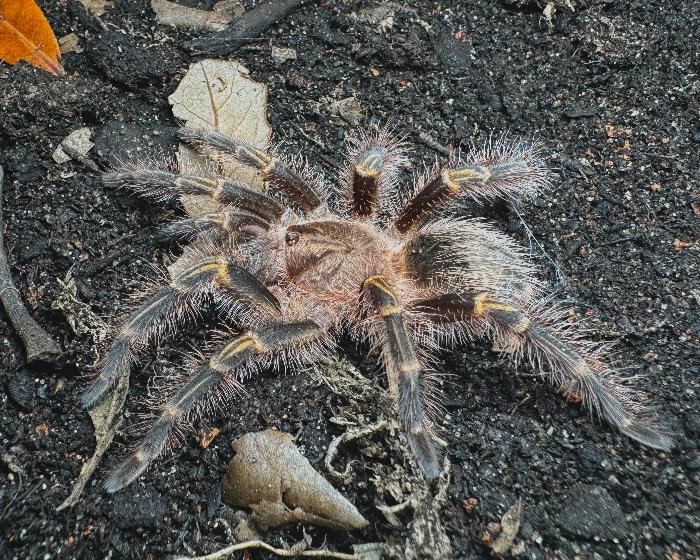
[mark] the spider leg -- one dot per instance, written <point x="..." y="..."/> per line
<point x="371" y="174"/>
<point x="574" y="368"/>
<point x="165" y="186"/>
<point x="159" y="314"/>
<point x="229" y="221"/>
<point x="221" y="147"/>
<point x="504" y="172"/>
<point x="228" y="366"/>
<point x="402" y="362"/>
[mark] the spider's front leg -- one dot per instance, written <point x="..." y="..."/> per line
<point x="573" y="367"/>
<point x="220" y="147"/>
<point x="164" y="185"/>
<point x="193" y="277"/>
<point x="510" y="172"/>
<point x="403" y="364"/>
<point x="371" y="175"/>
<point x="217" y="381"/>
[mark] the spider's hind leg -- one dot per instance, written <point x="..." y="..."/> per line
<point x="165" y="185"/>
<point x="228" y="366"/>
<point x="228" y="222"/>
<point x="572" y="365"/>
<point x="403" y="364"/>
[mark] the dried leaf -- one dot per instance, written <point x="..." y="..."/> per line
<point x="76" y="144"/>
<point x="106" y="417"/>
<point x="219" y="95"/>
<point x="270" y="476"/>
<point x="177" y="15"/>
<point x="26" y="35"/>
<point x="510" y="525"/>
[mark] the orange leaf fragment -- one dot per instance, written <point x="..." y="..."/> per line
<point x="26" y="35"/>
<point x="205" y="438"/>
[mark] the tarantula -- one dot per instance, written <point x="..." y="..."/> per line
<point x="408" y="276"/>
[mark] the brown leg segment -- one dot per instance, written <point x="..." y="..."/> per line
<point x="401" y="358"/>
<point x="366" y="181"/>
<point x="275" y="171"/>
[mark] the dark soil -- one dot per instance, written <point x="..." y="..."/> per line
<point x="611" y="91"/>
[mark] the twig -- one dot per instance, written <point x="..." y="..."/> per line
<point x="350" y="435"/>
<point x="39" y="345"/>
<point x="244" y="28"/>
<point x="103" y="417"/>
<point x="433" y="144"/>
<point x="224" y="552"/>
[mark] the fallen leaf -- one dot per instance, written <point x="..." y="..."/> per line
<point x="219" y="95"/>
<point x="205" y="438"/>
<point x="656" y="187"/>
<point x="177" y="15"/>
<point x="26" y="35"/>
<point x="270" y="476"/>
<point x="678" y="244"/>
<point x="510" y="525"/>
<point x="106" y="417"/>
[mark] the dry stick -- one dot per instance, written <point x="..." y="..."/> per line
<point x="244" y="28"/>
<point x="105" y="417"/>
<point x="39" y="345"/>
<point x="223" y="553"/>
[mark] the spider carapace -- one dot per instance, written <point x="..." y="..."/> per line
<point x="406" y="276"/>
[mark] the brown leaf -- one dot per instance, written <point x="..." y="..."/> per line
<point x="270" y="476"/>
<point x="26" y="35"/>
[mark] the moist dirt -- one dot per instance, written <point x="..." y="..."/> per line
<point x="610" y="91"/>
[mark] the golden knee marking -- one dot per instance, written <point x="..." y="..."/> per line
<point x="479" y="303"/>
<point x="469" y="174"/>
<point x="262" y="160"/>
<point x="390" y="310"/>
<point x="236" y="346"/>
<point x="171" y="412"/>
<point x="259" y="345"/>
<point x="450" y="183"/>
<point x="379" y="282"/>
<point x="201" y="268"/>
<point x="410" y="366"/>
<point x="204" y="183"/>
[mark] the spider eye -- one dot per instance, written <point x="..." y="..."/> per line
<point x="291" y="238"/>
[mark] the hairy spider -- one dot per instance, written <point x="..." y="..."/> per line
<point x="404" y="275"/>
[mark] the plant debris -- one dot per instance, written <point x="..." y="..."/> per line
<point x="39" y="345"/>
<point x="25" y="34"/>
<point x="245" y="28"/>
<point x="510" y="525"/>
<point x="177" y="15"/>
<point x="271" y="477"/>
